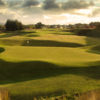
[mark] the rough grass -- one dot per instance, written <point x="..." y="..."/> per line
<point x="49" y="64"/>
<point x="90" y="95"/>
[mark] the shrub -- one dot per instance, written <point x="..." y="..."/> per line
<point x="83" y="32"/>
<point x="88" y="32"/>
<point x="2" y="27"/>
<point x="13" y="25"/>
<point x="39" y="25"/>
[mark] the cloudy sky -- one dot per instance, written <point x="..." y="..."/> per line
<point x="50" y="11"/>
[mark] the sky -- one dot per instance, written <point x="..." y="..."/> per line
<point x="50" y="11"/>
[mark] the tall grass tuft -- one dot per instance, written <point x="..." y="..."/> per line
<point x="4" y="95"/>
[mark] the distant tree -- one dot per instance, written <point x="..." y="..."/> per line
<point x="30" y="26"/>
<point x="95" y="24"/>
<point x="39" y="25"/>
<point x="13" y="25"/>
<point x="2" y="27"/>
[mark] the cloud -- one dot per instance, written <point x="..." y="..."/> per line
<point x="96" y="12"/>
<point x="76" y="4"/>
<point x="14" y="4"/>
<point x="29" y="3"/>
<point x="6" y="15"/>
<point x="69" y="6"/>
<point x="49" y="11"/>
<point x="50" y="5"/>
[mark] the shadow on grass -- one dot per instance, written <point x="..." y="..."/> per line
<point x="41" y="43"/>
<point x="2" y="49"/>
<point x="32" y="35"/>
<point x="49" y="43"/>
<point x="64" y="33"/>
<point x="17" y="33"/>
<point x="94" y="45"/>
<point x="23" y="71"/>
<point x="95" y="49"/>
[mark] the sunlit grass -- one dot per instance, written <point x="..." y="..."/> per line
<point x="47" y="63"/>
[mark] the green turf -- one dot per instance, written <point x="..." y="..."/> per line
<point x="48" y="63"/>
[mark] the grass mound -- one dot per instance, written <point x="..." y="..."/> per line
<point x="22" y="72"/>
<point x="50" y="64"/>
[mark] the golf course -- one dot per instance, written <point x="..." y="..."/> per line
<point x="48" y="62"/>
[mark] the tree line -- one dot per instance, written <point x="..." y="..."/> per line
<point x="14" y="25"/>
<point x="81" y="29"/>
<point x="94" y="31"/>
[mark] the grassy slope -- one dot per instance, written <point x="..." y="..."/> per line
<point x="51" y="64"/>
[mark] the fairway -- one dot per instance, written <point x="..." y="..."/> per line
<point x="48" y="63"/>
